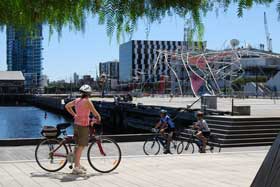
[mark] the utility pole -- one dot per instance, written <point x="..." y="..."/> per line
<point x="268" y="39"/>
<point x="256" y="81"/>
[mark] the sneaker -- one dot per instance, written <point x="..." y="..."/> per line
<point x="78" y="171"/>
<point x="83" y="168"/>
<point x="166" y="152"/>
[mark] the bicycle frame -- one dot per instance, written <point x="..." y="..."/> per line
<point x="198" y="142"/>
<point x="68" y="139"/>
<point x="160" y="139"/>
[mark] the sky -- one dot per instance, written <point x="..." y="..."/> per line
<point x="81" y="52"/>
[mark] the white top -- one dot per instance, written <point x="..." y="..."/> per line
<point x="203" y="125"/>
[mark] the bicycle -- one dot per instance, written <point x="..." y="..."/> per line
<point x="192" y="139"/>
<point x="53" y="153"/>
<point x="152" y="145"/>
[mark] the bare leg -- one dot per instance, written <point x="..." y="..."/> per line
<point x="78" y="153"/>
<point x="200" y="136"/>
<point x="165" y="138"/>
<point x="169" y="139"/>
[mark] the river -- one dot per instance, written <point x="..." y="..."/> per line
<point x="26" y="121"/>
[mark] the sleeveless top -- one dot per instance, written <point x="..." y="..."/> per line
<point x="82" y="117"/>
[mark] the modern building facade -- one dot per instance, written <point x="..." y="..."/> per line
<point x="137" y="58"/>
<point x="44" y="81"/>
<point x="110" y="68"/>
<point x="11" y="82"/>
<point x="24" y="53"/>
<point x="76" y="79"/>
<point x="262" y="71"/>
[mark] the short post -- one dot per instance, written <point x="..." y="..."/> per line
<point x="232" y="104"/>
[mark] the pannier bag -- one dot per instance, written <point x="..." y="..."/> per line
<point x="50" y="132"/>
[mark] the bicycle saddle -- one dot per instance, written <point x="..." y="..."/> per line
<point x="63" y="125"/>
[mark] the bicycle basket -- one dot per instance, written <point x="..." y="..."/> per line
<point x="50" y="132"/>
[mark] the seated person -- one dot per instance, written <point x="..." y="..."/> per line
<point x="166" y="125"/>
<point x="203" y="130"/>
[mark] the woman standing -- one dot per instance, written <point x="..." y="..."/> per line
<point x="83" y="107"/>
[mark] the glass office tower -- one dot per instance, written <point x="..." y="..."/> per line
<point x="24" y="53"/>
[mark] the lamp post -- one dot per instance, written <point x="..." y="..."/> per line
<point x="102" y="81"/>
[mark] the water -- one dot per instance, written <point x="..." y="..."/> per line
<point x="27" y="122"/>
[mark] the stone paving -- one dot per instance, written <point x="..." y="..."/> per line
<point x="210" y="169"/>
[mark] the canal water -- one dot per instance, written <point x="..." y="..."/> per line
<point x="27" y="121"/>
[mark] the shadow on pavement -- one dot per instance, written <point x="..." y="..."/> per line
<point x="68" y="177"/>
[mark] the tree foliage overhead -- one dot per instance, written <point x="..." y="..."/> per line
<point x="119" y="16"/>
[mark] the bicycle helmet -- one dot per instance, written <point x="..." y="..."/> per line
<point x="85" y="89"/>
<point x="162" y="111"/>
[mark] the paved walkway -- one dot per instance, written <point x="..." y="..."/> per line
<point x="259" y="107"/>
<point x="217" y="170"/>
<point x="23" y="153"/>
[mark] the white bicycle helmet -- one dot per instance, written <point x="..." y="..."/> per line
<point x="85" y="88"/>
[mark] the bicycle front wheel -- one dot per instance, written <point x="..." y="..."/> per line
<point x="180" y="147"/>
<point x="104" y="155"/>
<point x="189" y="148"/>
<point x="50" y="155"/>
<point x="173" y="146"/>
<point x="151" y="147"/>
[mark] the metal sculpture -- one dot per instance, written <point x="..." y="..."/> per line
<point x="209" y="69"/>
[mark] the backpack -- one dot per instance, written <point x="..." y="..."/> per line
<point x="50" y="132"/>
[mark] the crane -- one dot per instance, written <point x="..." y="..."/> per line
<point x="268" y="39"/>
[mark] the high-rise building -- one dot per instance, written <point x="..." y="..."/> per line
<point x="24" y="53"/>
<point x="44" y="81"/>
<point x="110" y="68"/>
<point x="76" y="78"/>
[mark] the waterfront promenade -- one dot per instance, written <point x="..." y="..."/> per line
<point x="231" y="167"/>
<point x="259" y="107"/>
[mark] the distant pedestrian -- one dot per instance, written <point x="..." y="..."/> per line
<point x="46" y="115"/>
<point x="83" y="107"/>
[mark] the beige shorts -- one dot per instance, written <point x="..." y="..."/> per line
<point x="81" y="135"/>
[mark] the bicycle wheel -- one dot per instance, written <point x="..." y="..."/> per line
<point x="173" y="146"/>
<point x="49" y="160"/>
<point x="104" y="155"/>
<point x="151" y="147"/>
<point x="189" y="149"/>
<point x="180" y="147"/>
<point x="214" y="144"/>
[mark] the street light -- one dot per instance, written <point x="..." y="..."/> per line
<point x="102" y="81"/>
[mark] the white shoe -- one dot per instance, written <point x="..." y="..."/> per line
<point x="83" y="168"/>
<point x="78" y="171"/>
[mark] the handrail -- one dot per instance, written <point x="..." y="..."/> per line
<point x="187" y="108"/>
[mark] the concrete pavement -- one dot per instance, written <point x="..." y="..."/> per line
<point x="210" y="169"/>
<point x="25" y="153"/>
<point x="259" y="107"/>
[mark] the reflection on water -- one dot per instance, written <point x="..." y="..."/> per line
<point x="26" y="122"/>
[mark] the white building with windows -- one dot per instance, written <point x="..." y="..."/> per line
<point x="137" y="59"/>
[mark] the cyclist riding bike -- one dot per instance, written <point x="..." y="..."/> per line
<point x="166" y="125"/>
<point x="83" y="107"/>
<point x="203" y="131"/>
